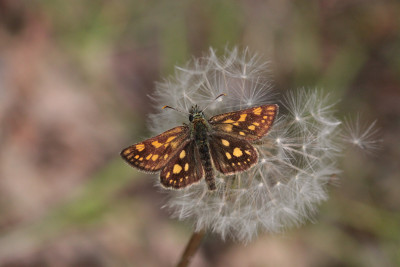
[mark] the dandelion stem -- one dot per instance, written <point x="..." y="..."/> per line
<point x="191" y="248"/>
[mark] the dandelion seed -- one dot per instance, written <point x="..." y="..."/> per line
<point x="362" y="136"/>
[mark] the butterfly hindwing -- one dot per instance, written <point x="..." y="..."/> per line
<point x="231" y="154"/>
<point x="154" y="153"/>
<point x="183" y="169"/>
<point x="250" y="124"/>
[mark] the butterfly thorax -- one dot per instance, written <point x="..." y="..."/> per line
<point x="198" y="125"/>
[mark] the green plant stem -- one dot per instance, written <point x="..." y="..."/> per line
<point x="191" y="248"/>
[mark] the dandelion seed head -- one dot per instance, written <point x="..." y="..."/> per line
<point x="296" y="159"/>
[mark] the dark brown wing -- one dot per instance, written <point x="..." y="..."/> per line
<point x="154" y="153"/>
<point x="183" y="169"/>
<point x="231" y="154"/>
<point x="250" y="124"/>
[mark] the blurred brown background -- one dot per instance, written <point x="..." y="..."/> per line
<point x="74" y="83"/>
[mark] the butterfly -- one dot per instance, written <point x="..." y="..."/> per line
<point x="185" y="154"/>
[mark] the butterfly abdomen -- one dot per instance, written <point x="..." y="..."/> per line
<point x="206" y="162"/>
<point x="200" y="136"/>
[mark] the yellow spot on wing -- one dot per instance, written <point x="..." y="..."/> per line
<point x="174" y="144"/>
<point x="167" y="176"/>
<point x="140" y="147"/>
<point x="237" y="152"/>
<point x="256" y="124"/>
<point x="182" y="154"/>
<point x="180" y="180"/>
<point x="242" y="133"/>
<point x="228" y="128"/>
<point x="225" y="142"/>
<point x="257" y="111"/>
<point x="252" y="127"/>
<point x="242" y="117"/>
<point x="247" y="152"/>
<point x="165" y="156"/>
<point x="149" y="156"/>
<point x="228" y="155"/>
<point x="154" y="158"/>
<point x="156" y="144"/>
<point x="127" y="151"/>
<point x="141" y="159"/>
<point x="271" y="108"/>
<point x="170" y="139"/>
<point x="265" y="117"/>
<point x="177" y="169"/>
<point x="186" y="167"/>
<point x="137" y="156"/>
<point x="229" y="121"/>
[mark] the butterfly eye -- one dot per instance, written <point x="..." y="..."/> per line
<point x="190" y="117"/>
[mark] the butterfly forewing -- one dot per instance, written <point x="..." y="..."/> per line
<point x="154" y="153"/>
<point x="183" y="169"/>
<point x="231" y="154"/>
<point x="250" y="124"/>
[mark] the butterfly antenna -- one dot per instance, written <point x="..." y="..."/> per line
<point x="181" y="111"/>
<point x="213" y="101"/>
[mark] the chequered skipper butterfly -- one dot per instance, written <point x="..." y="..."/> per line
<point x="185" y="153"/>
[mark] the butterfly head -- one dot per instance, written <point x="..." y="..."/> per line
<point x="195" y="113"/>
